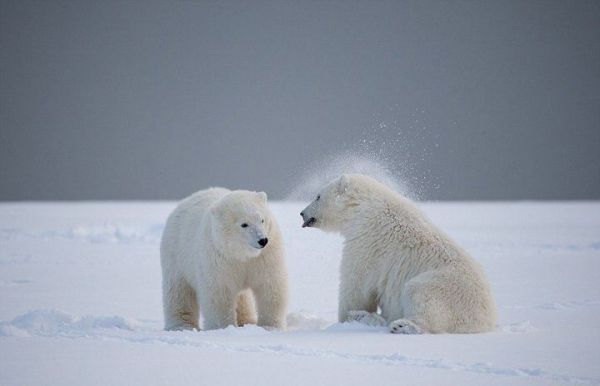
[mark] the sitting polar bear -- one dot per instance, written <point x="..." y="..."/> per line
<point x="219" y="248"/>
<point x="395" y="259"/>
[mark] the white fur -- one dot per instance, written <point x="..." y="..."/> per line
<point x="213" y="265"/>
<point x="395" y="259"/>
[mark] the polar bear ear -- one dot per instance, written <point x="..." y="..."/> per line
<point x="262" y="196"/>
<point x="343" y="183"/>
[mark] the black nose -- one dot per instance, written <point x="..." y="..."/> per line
<point x="302" y="214"/>
<point x="263" y="242"/>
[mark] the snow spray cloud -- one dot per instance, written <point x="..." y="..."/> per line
<point x="331" y="167"/>
<point x="388" y="152"/>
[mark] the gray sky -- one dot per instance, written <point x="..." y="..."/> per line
<point x="153" y="100"/>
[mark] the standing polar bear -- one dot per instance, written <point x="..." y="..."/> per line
<point x="395" y="259"/>
<point x="219" y="248"/>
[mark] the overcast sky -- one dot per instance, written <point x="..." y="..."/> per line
<point x="154" y="100"/>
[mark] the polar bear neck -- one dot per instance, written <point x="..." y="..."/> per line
<point x="390" y="216"/>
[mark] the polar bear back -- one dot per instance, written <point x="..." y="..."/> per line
<point x="179" y="239"/>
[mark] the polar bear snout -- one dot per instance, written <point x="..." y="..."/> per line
<point x="257" y="237"/>
<point x="307" y="221"/>
<point x="258" y="241"/>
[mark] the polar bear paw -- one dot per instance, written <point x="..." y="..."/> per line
<point x="405" y="326"/>
<point x="369" y="318"/>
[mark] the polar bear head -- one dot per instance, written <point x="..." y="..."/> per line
<point x="331" y="206"/>
<point x="241" y="222"/>
<point x="339" y="203"/>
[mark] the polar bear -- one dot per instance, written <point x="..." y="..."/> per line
<point x="222" y="256"/>
<point x="395" y="259"/>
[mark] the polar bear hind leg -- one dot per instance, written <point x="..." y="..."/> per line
<point x="424" y="305"/>
<point x="405" y="326"/>
<point x="180" y="306"/>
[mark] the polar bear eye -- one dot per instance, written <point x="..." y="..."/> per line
<point x="262" y="221"/>
<point x="318" y="197"/>
<point x="244" y="225"/>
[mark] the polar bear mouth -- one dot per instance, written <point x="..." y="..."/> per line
<point x="309" y="222"/>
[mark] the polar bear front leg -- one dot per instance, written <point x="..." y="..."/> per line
<point x="218" y="308"/>
<point x="245" y="310"/>
<point x="271" y="302"/>
<point x="368" y="318"/>
<point x="352" y="303"/>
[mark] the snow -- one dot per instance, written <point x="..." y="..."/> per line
<point x="80" y="302"/>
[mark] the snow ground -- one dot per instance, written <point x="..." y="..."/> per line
<point x="80" y="302"/>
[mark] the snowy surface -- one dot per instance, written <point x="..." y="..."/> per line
<point x="80" y="303"/>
